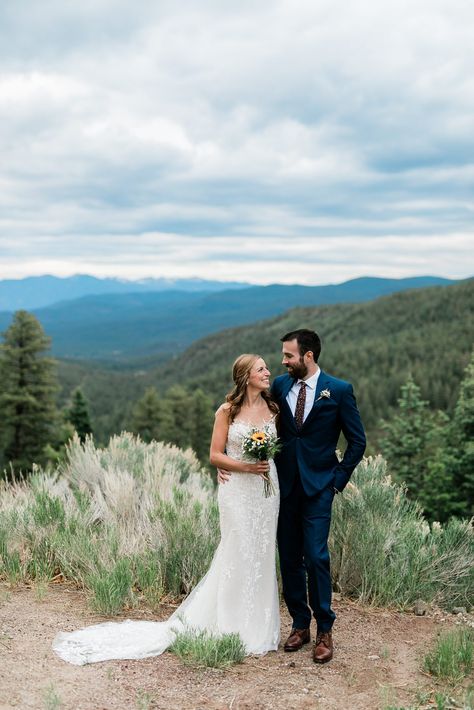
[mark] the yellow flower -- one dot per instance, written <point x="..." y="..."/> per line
<point x="259" y="436"/>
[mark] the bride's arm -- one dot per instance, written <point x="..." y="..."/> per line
<point x="218" y="458"/>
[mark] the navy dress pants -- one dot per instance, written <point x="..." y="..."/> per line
<point x="303" y="529"/>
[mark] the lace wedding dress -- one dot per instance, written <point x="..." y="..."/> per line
<point x="237" y="595"/>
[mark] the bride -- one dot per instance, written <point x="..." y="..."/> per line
<point x="239" y="593"/>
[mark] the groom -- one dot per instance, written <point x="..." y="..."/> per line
<point x="314" y="409"/>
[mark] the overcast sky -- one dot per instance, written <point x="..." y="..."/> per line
<point x="305" y="141"/>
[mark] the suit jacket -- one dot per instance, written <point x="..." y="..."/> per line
<point x="311" y="451"/>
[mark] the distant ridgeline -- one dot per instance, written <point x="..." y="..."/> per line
<point x="428" y="333"/>
<point x="36" y="292"/>
<point x="148" y="325"/>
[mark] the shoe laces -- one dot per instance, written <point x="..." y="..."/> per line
<point x="323" y="637"/>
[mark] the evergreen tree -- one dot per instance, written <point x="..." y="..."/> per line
<point x="55" y="451"/>
<point x="179" y="404"/>
<point x="151" y="419"/>
<point x="437" y="493"/>
<point x="415" y="447"/>
<point x="406" y="436"/>
<point x="179" y="417"/>
<point x="203" y="413"/>
<point x="462" y="440"/>
<point x="78" y="414"/>
<point x="27" y="393"/>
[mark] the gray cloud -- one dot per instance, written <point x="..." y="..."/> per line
<point x="166" y="139"/>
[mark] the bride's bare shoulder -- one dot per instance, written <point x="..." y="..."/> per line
<point x="224" y="410"/>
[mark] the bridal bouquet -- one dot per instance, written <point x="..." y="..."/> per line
<point x="261" y="445"/>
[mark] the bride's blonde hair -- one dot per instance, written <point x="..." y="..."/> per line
<point x="240" y="374"/>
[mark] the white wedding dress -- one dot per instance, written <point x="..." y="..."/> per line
<point x="238" y="594"/>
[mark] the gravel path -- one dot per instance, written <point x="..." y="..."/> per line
<point x="376" y="663"/>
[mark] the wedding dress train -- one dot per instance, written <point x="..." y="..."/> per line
<point x="238" y="594"/>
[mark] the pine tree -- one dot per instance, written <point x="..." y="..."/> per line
<point x="462" y="440"/>
<point x="27" y="393"/>
<point x="78" y="415"/>
<point x="406" y="435"/>
<point x="56" y="451"/>
<point x="179" y="404"/>
<point x="150" y="418"/>
<point x="437" y="493"/>
<point x="415" y="445"/>
<point x="179" y="417"/>
<point x="203" y="416"/>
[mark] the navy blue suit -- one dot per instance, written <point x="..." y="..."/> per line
<point x="308" y="472"/>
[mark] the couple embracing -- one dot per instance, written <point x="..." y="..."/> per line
<point x="239" y="594"/>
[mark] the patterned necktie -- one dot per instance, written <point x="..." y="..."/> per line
<point x="300" y="402"/>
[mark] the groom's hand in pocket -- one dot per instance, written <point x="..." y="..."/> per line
<point x="222" y="475"/>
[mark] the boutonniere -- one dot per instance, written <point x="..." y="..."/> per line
<point x="324" y="394"/>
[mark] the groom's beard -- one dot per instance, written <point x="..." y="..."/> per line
<point x="298" y="371"/>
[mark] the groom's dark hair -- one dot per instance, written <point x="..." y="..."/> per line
<point x="307" y="340"/>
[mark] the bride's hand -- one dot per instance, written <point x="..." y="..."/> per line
<point x="222" y="475"/>
<point x="261" y="468"/>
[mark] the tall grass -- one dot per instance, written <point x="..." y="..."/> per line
<point x="385" y="553"/>
<point x="112" y="588"/>
<point x="453" y="655"/>
<point x="199" y="648"/>
<point x="52" y="700"/>
<point x="135" y="521"/>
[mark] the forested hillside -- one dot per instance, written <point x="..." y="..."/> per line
<point x="428" y="333"/>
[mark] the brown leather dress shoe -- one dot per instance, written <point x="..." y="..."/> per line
<point x="323" y="648"/>
<point x="296" y="639"/>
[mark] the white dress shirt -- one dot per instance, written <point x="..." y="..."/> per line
<point x="292" y="395"/>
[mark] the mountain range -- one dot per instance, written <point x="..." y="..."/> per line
<point x="142" y="325"/>
<point x="36" y="292"/>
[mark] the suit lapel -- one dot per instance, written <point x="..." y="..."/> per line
<point x="322" y="383"/>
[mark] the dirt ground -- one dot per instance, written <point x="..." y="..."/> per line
<point x="376" y="663"/>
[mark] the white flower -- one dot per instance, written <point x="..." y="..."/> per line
<point x="324" y="394"/>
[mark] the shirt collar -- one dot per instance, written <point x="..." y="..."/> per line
<point x="311" y="381"/>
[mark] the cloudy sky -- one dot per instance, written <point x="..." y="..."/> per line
<point x="305" y="141"/>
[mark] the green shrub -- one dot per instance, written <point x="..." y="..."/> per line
<point x="385" y="553"/>
<point x="131" y="520"/>
<point x="183" y="554"/>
